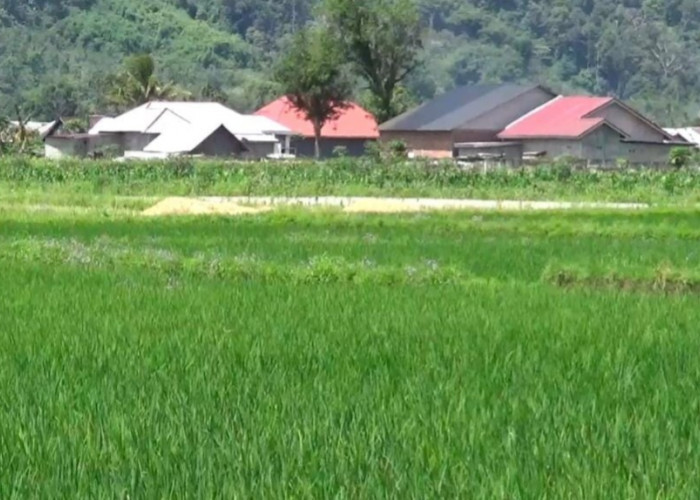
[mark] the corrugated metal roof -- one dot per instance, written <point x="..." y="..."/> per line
<point x="150" y="117"/>
<point x="563" y="117"/>
<point x="182" y="126"/>
<point x="102" y="125"/>
<point x="352" y="122"/>
<point x="186" y="138"/>
<point x="181" y="139"/>
<point x="453" y="109"/>
<point x="689" y="134"/>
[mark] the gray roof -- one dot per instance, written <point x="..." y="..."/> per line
<point x="453" y="109"/>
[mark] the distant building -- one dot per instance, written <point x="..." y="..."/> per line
<point x="688" y="134"/>
<point x="473" y="114"/>
<point x="600" y="130"/>
<point x="351" y="130"/>
<point x="164" y="129"/>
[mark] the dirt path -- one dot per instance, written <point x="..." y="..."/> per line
<point x="241" y="205"/>
<point x="412" y="204"/>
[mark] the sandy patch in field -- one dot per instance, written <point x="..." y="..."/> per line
<point x="196" y="206"/>
<point x="360" y="205"/>
<point x="383" y="206"/>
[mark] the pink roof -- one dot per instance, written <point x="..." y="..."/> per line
<point x="352" y="122"/>
<point x="565" y="117"/>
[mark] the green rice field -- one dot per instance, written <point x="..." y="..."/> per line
<point x="315" y="354"/>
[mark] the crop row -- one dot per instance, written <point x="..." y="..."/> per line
<point x="350" y="176"/>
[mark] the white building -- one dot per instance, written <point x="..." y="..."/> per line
<point x="689" y="134"/>
<point x="164" y="129"/>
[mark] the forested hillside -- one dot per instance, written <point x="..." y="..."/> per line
<point x="55" y="55"/>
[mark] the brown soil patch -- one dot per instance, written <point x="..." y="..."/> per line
<point x="658" y="284"/>
<point x="194" y="206"/>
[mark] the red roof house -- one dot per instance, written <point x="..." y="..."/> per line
<point x="353" y="127"/>
<point x="598" y="129"/>
<point x="565" y="117"/>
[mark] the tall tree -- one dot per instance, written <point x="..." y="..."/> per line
<point x="137" y="84"/>
<point x="383" y="39"/>
<point x="313" y="78"/>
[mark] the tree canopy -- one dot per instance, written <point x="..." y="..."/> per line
<point x="54" y="55"/>
<point x="382" y="38"/>
<point x="311" y="75"/>
<point x="137" y="83"/>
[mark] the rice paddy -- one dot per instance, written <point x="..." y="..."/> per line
<point x="300" y="354"/>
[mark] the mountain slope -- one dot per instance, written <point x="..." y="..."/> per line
<point x="54" y="55"/>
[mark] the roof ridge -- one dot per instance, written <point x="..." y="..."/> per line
<point x="604" y="102"/>
<point x="530" y="113"/>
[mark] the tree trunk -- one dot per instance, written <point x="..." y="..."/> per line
<point x="317" y="139"/>
<point x="386" y="99"/>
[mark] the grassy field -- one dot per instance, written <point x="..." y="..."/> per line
<point x="323" y="355"/>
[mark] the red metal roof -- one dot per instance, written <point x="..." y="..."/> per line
<point x="563" y="117"/>
<point x="353" y="122"/>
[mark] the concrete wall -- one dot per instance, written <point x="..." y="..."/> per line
<point x="60" y="147"/>
<point x="554" y="148"/>
<point x="258" y="150"/>
<point x="220" y="143"/>
<point x="421" y="141"/>
<point x="305" y="146"/>
<point x="80" y="146"/>
<point x="604" y="147"/>
<point x="648" y="154"/>
<point x="135" y="141"/>
<point x="508" y="153"/>
<point x="500" y="117"/>
<point x="636" y="128"/>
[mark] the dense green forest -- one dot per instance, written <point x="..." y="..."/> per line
<point x="56" y="55"/>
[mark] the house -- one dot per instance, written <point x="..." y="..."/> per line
<point x="688" y="134"/>
<point x="163" y="129"/>
<point x="472" y="114"/>
<point x="599" y="130"/>
<point x="352" y="129"/>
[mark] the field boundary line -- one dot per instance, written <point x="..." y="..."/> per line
<point x="422" y="203"/>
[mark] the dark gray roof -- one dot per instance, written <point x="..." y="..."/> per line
<point x="453" y="109"/>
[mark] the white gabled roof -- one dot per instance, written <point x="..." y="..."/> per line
<point x="690" y="134"/>
<point x="181" y="139"/>
<point x="182" y="126"/>
<point x="101" y="126"/>
<point x="186" y="139"/>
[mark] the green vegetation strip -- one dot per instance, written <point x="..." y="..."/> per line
<point x="27" y="177"/>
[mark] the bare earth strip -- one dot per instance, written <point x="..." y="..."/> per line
<point x="242" y="205"/>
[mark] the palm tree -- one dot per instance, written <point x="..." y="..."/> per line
<point x="15" y="136"/>
<point x="137" y="84"/>
<point x="5" y="134"/>
<point x="22" y="135"/>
